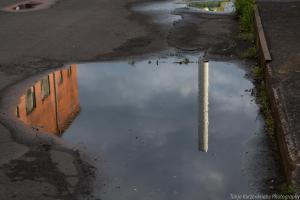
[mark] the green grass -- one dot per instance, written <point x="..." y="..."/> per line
<point x="262" y="99"/>
<point x="248" y="37"/>
<point x="257" y="73"/>
<point x="249" y="53"/>
<point x="265" y="108"/>
<point x="287" y="189"/>
<point x="244" y="11"/>
<point x="245" y="14"/>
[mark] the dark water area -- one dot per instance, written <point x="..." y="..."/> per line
<point x="140" y="121"/>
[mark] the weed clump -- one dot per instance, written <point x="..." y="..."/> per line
<point x="287" y="189"/>
<point x="248" y="37"/>
<point x="245" y="14"/>
<point x="262" y="99"/>
<point x="249" y="53"/>
<point x="257" y="73"/>
<point x="244" y="11"/>
<point x="184" y="61"/>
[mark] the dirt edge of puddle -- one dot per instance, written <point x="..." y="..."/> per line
<point x="40" y="149"/>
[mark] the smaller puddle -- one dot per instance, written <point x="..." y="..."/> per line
<point x="29" y="5"/>
<point x="222" y="7"/>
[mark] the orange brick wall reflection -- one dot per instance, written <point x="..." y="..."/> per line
<point x="55" y="112"/>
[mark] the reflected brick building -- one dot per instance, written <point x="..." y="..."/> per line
<point x="51" y="104"/>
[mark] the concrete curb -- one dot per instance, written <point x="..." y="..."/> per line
<point x="283" y="133"/>
<point x="261" y="42"/>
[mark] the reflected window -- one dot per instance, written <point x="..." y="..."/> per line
<point x="45" y="87"/>
<point x="17" y="112"/>
<point x="69" y="71"/>
<point x="60" y="77"/>
<point x="30" y="100"/>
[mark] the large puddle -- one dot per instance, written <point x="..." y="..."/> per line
<point x="142" y="122"/>
<point x="171" y="127"/>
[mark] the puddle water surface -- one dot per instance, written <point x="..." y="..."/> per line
<point x="26" y="6"/>
<point x="213" y="6"/>
<point x="142" y="122"/>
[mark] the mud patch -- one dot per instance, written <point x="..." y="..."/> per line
<point x="36" y="171"/>
<point x="41" y="170"/>
<point x="199" y="31"/>
<point x="131" y="47"/>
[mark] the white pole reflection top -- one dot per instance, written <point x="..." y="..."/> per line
<point x="203" y="104"/>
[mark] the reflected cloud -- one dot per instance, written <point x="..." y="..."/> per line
<point x="51" y="104"/>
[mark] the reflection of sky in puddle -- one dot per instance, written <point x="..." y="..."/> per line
<point x="213" y="6"/>
<point x="141" y="122"/>
<point x="147" y="127"/>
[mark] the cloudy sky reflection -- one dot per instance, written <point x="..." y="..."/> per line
<point x="141" y="122"/>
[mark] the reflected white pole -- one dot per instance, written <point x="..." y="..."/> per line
<point x="203" y="76"/>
